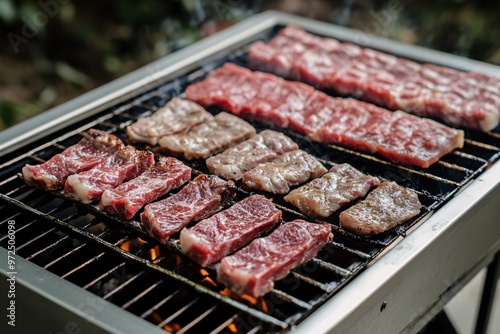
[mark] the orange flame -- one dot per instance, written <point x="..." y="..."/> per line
<point x="250" y="299"/>
<point x="226" y="292"/>
<point x="264" y="306"/>
<point x="232" y="327"/>
<point x="154" y="253"/>
<point x="126" y="246"/>
<point x="172" y="327"/>
<point x="207" y="281"/>
<point x="156" y="317"/>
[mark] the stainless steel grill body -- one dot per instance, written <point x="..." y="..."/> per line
<point x="399" y="282"/>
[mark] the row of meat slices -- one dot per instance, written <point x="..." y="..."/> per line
<point x="217" y="233"/>
<point x="397" y="136"/>
<point x="467" y="99"/>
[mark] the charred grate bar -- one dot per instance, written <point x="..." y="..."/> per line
<point x="120" y="263"/>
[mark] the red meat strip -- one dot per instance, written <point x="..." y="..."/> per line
<point x="129" y="197"/>
<point x="387" y="206"/>
<point x="400" y="137"/>
<point x="200" y="198"/>
<point x="287" y="170"/>
<point x="255" y="268"/>
<point x="206" y="139"/>
<point x="178" y="115"/>
<point x="94" y="148"/>
<point x="253" y="95"/>
<point x="458" y="98"/>
<point x="263" y="147"/>
<point x="323" y="196"/>
<point x="122" y="166"/>
<point x="226" y="87"/>
<point x="223" y="233"/>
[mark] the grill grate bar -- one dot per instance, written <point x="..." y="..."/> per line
<point x="123" y="285"/>
<point x="197" y="320"/>
<point x="454" y="166"/>
<point x="7" y="180"/>
<point x="322" y="286"/>
<point x="37" y="237"/>
<point x="54" y="244"/>
<point x="142" y="294"/>
<point x="179" y="312"/>
<point x="350" y="250"/>
<point x="289" y="298"/>
<point x="338" y="270"/>
<point x="93" y="259"/>
<point x="223" y="325"/>
<point x="482" y="145"/>
<point x="255" y="330"/>
<point x="469" y="156"/>
<point x="94" y="281"/>
<point x="74" y="250"/>
<point x="42" y="234"/>
<point x="160" y="303"/>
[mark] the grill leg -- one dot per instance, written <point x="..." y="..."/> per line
<point x="488" y="296"/>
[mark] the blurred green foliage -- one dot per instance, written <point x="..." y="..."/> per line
<point x="77" y="46"/>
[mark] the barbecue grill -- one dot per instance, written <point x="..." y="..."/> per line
<point x="77" y="268"/>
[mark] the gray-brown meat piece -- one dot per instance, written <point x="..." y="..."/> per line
<point x="384" y="208"/>
<point x="178" y="115"/>
<point x="263" y="147"/>
<point x="323" y="196"/>
<point x="206" y="139"/>
<point x="287" y="170"/>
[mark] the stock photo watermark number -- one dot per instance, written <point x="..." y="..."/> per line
<point x="11" y="273"/>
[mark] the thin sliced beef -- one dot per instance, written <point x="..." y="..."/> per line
<point x="200" y="198"/>
<point x="348" y="122"/>
<point x="206" y="139"/>
<point x="94" y="148"/>
<point x="323" y="196"/>
<point x="458" y="98"/>
<point x="226" y="87"/>
<point x="122" y="166"/>
<point x="255" y="268"/>
<point x="254" y="95"/>
<point x="287" y="170"/>
<point x="176" y="116"/>
<point x="263" y="147"/>
<point x="398" y="136"/>
<point x="129" y="197"/>
<point x="223" y="233"/>
<point x="385" y="207"/>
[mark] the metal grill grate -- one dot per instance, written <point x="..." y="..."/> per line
<point x="117" y="261"/>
